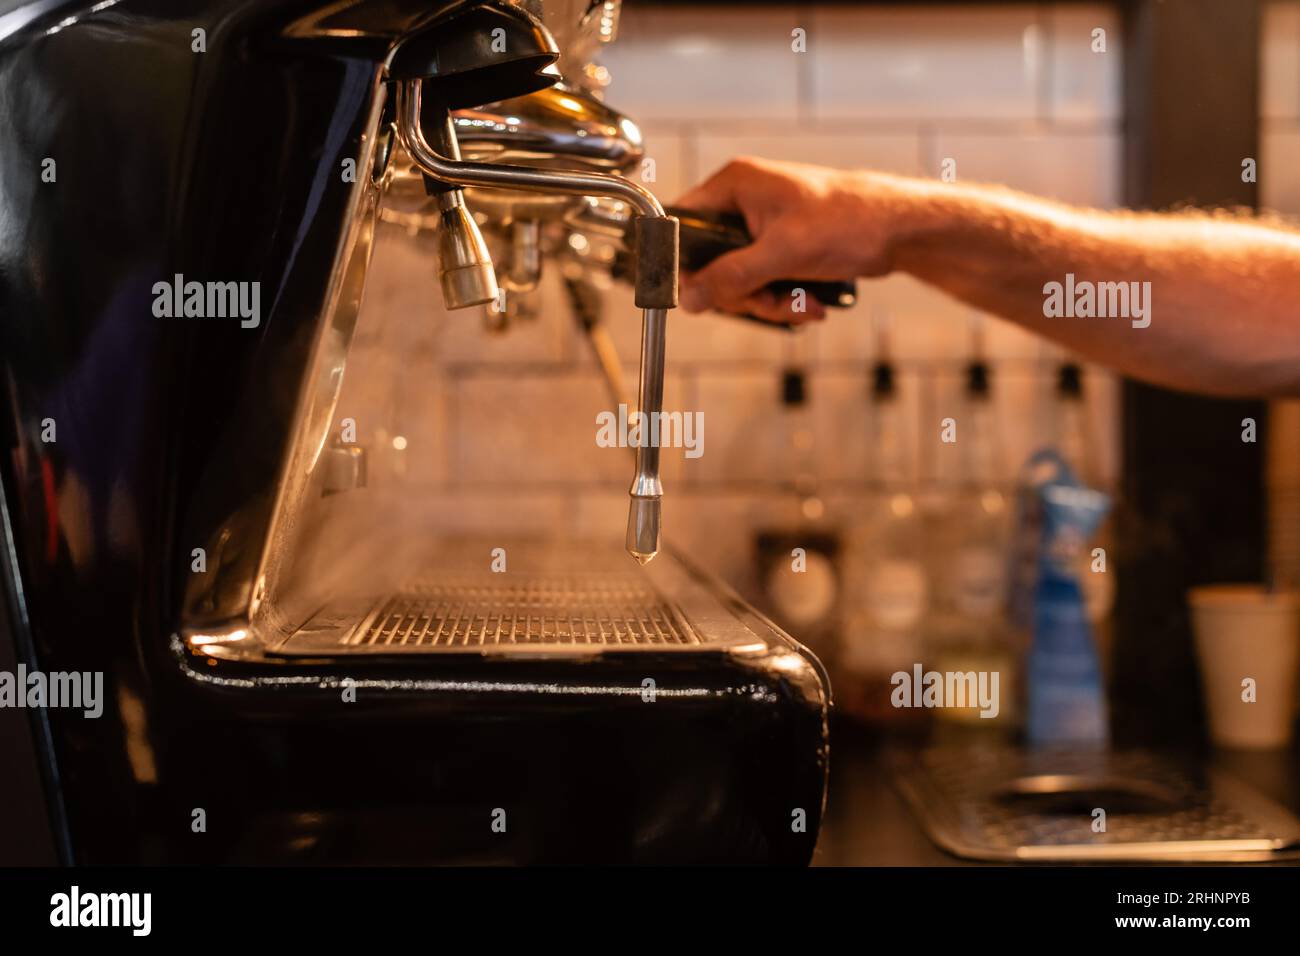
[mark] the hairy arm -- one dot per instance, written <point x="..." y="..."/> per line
<point x="1224" y="293"/>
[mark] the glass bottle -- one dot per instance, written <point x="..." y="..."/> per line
<point x="886" y="589"/>
<point x="1078" y="446"/>
<point x="968" y="629"/>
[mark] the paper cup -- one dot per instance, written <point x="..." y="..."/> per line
<point x="1247" y="634"/>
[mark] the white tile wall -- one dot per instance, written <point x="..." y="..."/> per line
<point x="403" y="305"/>
<point x="672" y="156"/>
<point x="895" y="152"/>
<point x="419" y="449"/>
<point x="694" y="338"/>
<point x="920" y="322"/>
<point x="716" y="528"/>
<point x="507" y="510"/>
<point x="841" y="424"/>
<point x="705" y="63"/>
<point x="1083" y="76"/>
<point x="1279" y="178"/>
<point x="1075" y="167"/>
<point x="1279" y="86"/>
<point x="975" y="62"/>
<point x="539" y="427"/>
<point x="742" y="409"/>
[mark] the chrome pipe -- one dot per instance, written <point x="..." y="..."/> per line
<point x="644" y="516"/>
<point x="524" y="270"/>
<point x="556" y="128"/>
<point x="507" y="176"/>
<point x="644" y="512"/>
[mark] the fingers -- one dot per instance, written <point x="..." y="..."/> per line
<point x="773" y="308"/>
<point x="733" y="277"/>
<point x="764" y="304"/>
<point x="735" y="282"/>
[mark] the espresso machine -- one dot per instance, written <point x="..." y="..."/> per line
<point x="183" y="513"/>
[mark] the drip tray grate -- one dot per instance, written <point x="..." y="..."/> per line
<point x="553" y="601"/>
<point x="608" y="611"/>
<point x="1007" y="804"/>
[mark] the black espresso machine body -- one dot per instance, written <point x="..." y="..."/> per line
<point x="149" y="492"/>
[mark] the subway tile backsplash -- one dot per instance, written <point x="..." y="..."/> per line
<point x="867" y="63"/>
<point x="1082" y="81"/>
<point x="1279" y="88"/>
<point x="703" y="63"/>
<point x="890" y="151"/>
<point x="1015" y="93"/>
<point x="1075" y="167"/>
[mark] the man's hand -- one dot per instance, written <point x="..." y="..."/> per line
<point x="808" y="222"/>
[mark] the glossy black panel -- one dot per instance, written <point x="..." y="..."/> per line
<point x="161" y="160"/>
<point x="587" y="769"/>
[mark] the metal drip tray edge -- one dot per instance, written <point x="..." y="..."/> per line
<point x="1239" y="825"/>
<point x="660" y="609"/>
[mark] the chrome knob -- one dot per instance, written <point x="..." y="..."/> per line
<point x="464" y="264"/>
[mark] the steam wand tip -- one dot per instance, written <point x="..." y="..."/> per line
<point x="643" y="520"/>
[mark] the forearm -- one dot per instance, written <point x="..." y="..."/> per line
<point x="1223" y="300"/>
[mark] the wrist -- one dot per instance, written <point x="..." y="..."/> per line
<point x="917" y="216"/>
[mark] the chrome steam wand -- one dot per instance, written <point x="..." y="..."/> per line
<point x="656" y="284"/>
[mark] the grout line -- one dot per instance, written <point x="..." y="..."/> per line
<point x="692" y="370"/>
<point x="927" y="145"/>
<point x="1295" y="51"/>
<point x="455" y="421"/>
<point x="695" y="391"/>
<point x="690" y="155"/>
<point x="1047" y="65"/>
<point x="805" y="87"/>
<point x="721" y="126"/>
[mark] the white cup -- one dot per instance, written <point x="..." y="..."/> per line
<point x="1248" y="645"/>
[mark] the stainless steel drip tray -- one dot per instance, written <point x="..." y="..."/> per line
<point x="550" y="601"/>
<point x="1016" y="805"/>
